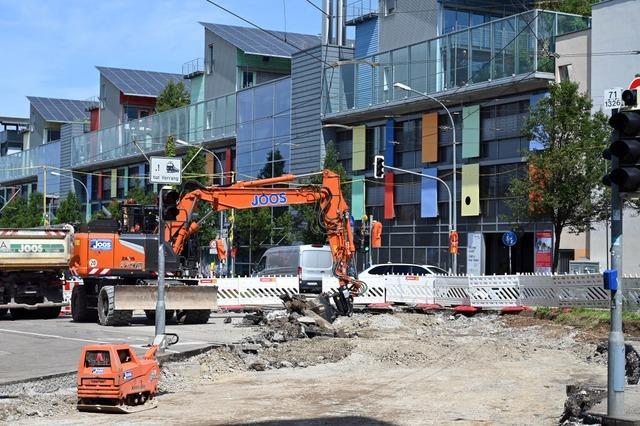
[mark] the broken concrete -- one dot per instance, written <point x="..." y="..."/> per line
<point x="632" y="361"/>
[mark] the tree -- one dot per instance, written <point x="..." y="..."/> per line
<point x="23" y="213"/>
<point x="170" y="147"/>
<point x="563" y="185"/>
<point x="140" y="196"/>
<point x="579" y="7"/>
<point x="174" y="95"/>
<point x="69" y="210"/>
<point x="197" y="169"/>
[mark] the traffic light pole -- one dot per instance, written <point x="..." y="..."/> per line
<point x="160" y="306"/>
<point x="616" y="362"/>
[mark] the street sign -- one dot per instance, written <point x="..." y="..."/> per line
<point x="509" y="238"/>
<point x="165" y="170"/>
<point x="613" y="98"/>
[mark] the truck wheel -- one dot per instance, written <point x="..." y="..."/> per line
<point x="80" y="312"/>
<point x="151" y="315"/>
<point x="194" y="316"/>
<point x="106" y="314"/>
<point x="49" y="313"/>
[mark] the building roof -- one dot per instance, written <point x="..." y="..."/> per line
<point x="254" y="41"/>
<point x="14" y="121"/>
<point x="61" y="110"/>
<point x="139" y="82"/>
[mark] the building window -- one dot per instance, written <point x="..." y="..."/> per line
<point x="210" y="55"/>
<point x="390" y="7"/>
<point x="135" y="112"/>
<point x="248" y="79"/>
<point x="564" y="72"/>
<point x="52" y="135"/>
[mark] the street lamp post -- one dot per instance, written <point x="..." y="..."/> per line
<point x="454" y="163"/>
<point x="202" y="148"/>
<point x="87" y="215"/>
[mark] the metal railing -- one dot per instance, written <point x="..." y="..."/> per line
<point x="200" y="122"/>
<point x="503" y="48"/>
<point x="194" y="66"/>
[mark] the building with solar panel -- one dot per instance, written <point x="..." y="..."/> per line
<point x="265" y="103"/>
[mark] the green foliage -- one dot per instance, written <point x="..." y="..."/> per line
<point x="170" y="147"/>
<point x="69" y="210"/>
<point x="565" y="187"/>
<point x="274" y="165"/>
<point x="23" y="213"/>
<point x="141" y="196"/>
<point x="114" y="209"/>
<point x="583" y="316"/>
<point x="306" y="220"/>
<point x="174" y="95"/>
<point x="197" y="169"/>
<point x="579" y="7"/>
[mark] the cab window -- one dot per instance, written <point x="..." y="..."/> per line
<point x="261" y="264"/>
<point x="124" y="355"/>
<point x="97" y="359"/>
<point x="402" y="269"/>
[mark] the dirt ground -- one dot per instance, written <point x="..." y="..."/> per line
<point x="395" y="369"/>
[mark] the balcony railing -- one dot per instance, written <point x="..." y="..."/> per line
<point x="193" y="68"/>
<point x="200" y="122"/>
<point x="29" y="163"/>
<point x="508" y="47"/>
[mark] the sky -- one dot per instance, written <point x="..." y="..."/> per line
<point x="50" y="48"/>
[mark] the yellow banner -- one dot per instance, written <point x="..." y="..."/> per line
<point x="470" y="200"/>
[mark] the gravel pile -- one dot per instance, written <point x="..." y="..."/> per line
<point x="41" y="398"/>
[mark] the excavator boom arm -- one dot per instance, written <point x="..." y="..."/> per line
<point x="261" y="193"/>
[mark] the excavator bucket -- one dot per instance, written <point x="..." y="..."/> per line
<point x="118" y="409"/>
<point x="177" y="297"/>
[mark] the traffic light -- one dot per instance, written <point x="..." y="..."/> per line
<point x="170" y="205"/>
<point x="630" y="97"/>
<point x="378" y="167"/>
<point x="625" y="148"/>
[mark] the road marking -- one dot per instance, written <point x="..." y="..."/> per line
<point x="52" y="336"/>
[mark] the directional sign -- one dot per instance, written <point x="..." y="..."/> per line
<point x="165" y="170"/>
<point x="509" y="238"/>
<point x="613" y="98"/>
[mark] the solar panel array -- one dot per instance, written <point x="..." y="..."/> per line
<point x="61" y="110"/>
<point x="139" y="82"/>
<point x="256" y="42"/>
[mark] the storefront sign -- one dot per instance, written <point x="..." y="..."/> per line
<point x="543" y="251"/>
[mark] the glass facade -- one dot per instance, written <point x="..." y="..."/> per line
<point x="29" y="163"/>
<point x="263" y="140"/>
<point x="199" y="122"/>
<point x="512" y="46"/>
<point x="413" y="239"/>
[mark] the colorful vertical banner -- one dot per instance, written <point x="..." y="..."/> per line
<point x="470" y="200"/>
<point x="114" y="183"/>
<point x="429" y="194"/>
<point x="389" y="142"/>
<point x="430" y="137"/>
<point x="357" y="197"/>
<point x="389" y="211"/>
<point x="471" y="131"/>
<point x="359" y="148"/>
<point x="543" y="251"/>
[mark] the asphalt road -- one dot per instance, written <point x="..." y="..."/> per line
<point x="37" y="348"/>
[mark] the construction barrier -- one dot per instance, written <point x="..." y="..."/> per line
<point x="451" y="290"/>
<point x="67" y="289"/>
<point x="538" y="290"/>
<point x="410" y="289"/>
<point x="494" y="291"/>
<point x="375" y="291"/>
<point x="581" y="290"/>
<point x="252" y="291"/>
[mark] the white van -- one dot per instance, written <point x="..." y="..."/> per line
<point x="309" y="262"/>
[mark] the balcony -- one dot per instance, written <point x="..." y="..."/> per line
<point x="193" y="68"/>
<point x="358" y="10"/>
<point x="29" y="163"/>
<point x="205" y="121"/>
<point x="505" y="50"/>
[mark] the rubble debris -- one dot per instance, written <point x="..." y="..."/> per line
<point x="632" y="361"/>
<point x="580" y="399"/>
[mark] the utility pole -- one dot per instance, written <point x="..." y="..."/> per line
<point x="160" y="305"/>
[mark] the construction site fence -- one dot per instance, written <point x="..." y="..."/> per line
<point x="486" y="292"/>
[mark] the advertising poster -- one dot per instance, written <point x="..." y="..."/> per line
<point x="543" y="251"/>
<point x="475" y="254"/>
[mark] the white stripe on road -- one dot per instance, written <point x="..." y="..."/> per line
<point x="52" y="336"/>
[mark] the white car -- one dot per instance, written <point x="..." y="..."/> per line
<point x="400" y="269"/>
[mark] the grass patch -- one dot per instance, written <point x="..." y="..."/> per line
<point x="583" y="315"/>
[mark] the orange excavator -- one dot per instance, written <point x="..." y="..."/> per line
<point x="117" y="260"/>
